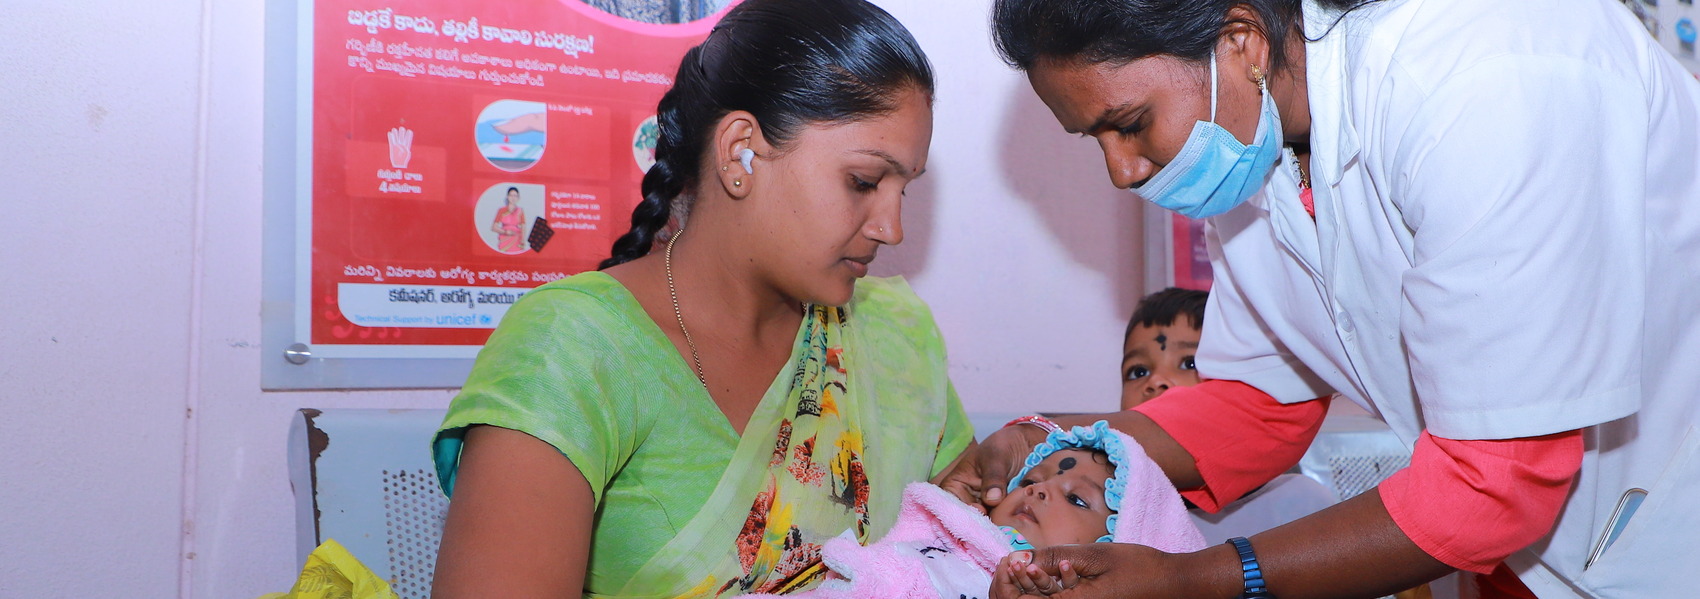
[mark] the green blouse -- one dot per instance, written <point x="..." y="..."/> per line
<point x="578" y="364"/>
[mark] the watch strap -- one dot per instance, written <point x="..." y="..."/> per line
<point x="1255" y="588"/>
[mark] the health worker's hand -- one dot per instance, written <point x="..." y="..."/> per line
<point x="1107" y="571"/>
<point x="1016" y="576"/>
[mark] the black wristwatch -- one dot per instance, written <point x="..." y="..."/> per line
<point x="1254" y="587"/>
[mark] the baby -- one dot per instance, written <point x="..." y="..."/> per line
<point x="1089" y="484"/>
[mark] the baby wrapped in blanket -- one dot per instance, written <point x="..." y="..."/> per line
<point x="1089" y="484"/>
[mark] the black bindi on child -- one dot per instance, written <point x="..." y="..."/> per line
<point x="1162" y="342"/>
<point x="1065" y="465"/>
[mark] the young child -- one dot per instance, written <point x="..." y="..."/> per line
<point x="1157" y="354"/>
<point x="1089" y="484"/>
<point x="1161" y="338"/>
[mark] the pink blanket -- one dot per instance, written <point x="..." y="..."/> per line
<point x="941" y="548"/>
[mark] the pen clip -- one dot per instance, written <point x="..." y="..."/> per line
<point x="1626" y="506"/>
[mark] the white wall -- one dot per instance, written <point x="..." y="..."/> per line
<point x="141" y="459"/>
<point x="1029" y="257"/>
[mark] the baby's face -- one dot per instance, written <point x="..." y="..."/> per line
<point x="1061" y="501"/>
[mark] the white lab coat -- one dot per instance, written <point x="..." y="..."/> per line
<point x="1506" y="244"/>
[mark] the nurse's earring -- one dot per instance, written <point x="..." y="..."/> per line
<point x="1258" y="76"/>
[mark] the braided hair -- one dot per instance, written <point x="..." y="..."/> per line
<point x="790" y="63"/>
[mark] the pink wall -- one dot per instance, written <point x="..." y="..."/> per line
<point x="142" y="460"/>
<point x="95" y="249"/>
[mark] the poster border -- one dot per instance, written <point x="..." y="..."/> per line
<point x="287" y="242"/>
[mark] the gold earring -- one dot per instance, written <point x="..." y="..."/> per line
<point x="723" y="168"/>
<point x="1257" y="75"/>
<point x="737" y="182"/>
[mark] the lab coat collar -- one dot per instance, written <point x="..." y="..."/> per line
<point x="1334" y="143"/>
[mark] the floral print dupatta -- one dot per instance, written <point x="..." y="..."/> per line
<point x="796" y="480"/>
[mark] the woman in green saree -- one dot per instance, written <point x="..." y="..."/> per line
<point x="696" y="420"/>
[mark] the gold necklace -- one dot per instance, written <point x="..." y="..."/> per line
<point x="673" y="291"/>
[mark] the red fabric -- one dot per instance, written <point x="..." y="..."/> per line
<point x="1309" y="200"/>
<point x="1502" y="583"/>
<point x="1267" y="437"/>
<point x="1472" y="503"/>
<point x="1467" y="503"/>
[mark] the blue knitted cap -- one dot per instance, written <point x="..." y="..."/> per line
<point x="1098" y="437"/>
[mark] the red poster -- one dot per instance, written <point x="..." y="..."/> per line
<point x="1191" y="257"/>
<point x="462" y="153"/>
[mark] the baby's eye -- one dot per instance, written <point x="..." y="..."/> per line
<point x="862" y="185"/>
<point x="1138" y="372"/>
<point x="1078" y="502"/>
<point x="1187" y="363"/>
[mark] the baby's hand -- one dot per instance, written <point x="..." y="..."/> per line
<point x="1017" y="577"/>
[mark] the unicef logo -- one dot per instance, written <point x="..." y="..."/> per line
<point x="1685" y="30"/>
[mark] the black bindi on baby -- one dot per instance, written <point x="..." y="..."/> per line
<point x="1065" y="465"/>
<point x="1162" y="342"/>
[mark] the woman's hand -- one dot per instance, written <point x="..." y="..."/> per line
<point x="981" y="473"/>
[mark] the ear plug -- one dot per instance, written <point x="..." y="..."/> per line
<point x="747" y="157"/>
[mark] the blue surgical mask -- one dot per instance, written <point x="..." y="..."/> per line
<point x="1214" y="172"/>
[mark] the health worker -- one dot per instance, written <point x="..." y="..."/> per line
<point x="1478" y="220"/>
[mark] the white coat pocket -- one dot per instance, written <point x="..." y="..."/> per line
<point x="1646" y="560"/>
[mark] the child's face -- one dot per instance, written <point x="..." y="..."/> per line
<point x="1061" y="501"/>
<point x="1157" y="358"/>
